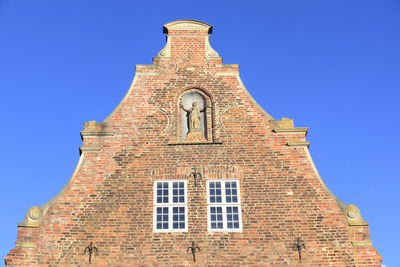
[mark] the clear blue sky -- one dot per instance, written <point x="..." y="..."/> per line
<point x="333" y="66"/>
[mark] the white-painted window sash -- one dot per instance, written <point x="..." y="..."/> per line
<point x="224" y="206"/>
<point x="170" y="205"/>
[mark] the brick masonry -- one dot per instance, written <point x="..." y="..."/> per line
<point x="109" y="198"/>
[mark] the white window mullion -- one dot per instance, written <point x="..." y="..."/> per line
<point x="224" y="220"/>
<point x="170" y="216"/>
<point x="224" y="205"/>
<point x="223" y="192"/>
<point x="170" y="205"/>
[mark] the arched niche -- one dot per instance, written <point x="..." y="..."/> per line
<point x="195" y="116"/>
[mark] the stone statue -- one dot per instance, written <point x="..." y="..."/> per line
<point x="194" y="117"/>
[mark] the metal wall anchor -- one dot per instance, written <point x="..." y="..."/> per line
<point x="90" y="250"/>
<point x="196" y="175"/>
<point x="299" y="246"/>
<point x="193" y="250"/>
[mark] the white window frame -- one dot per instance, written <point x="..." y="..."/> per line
<point x="170" y="205"/>
<point x="224" y="205"/>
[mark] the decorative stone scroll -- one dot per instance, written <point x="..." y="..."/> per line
<point x="354" y="215"/>
<point x="166" y="51"/>
<point x="32" y="217"/>
<point x="210" y="52"/>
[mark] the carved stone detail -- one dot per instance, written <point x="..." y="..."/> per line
<point x="353" y="215"/>
<point x="166" y="51"/>
<point x="169" y="120"/>
<point x="194" y="118"/>
<point x="210" y="52"/>
<point x="32" y="217"/>
<point x="220" y="122"/>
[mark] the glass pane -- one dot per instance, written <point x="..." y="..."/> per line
<point x="215" y="192"/>
<point x="178" y="192"/>
<point x="162" y="218"/>
<point x="162" y="192"/>
<point x="232" y="217"/>
<point x="231" y="192"/>
<point x="216" y="217"/>
<point x="178" y="217"/>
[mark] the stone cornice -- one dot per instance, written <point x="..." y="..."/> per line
<point x="358" y="223"/>
<point x="361" y="243"/>
<point x="97" y="133"/>
<point x="298" y="143"/>
<point x="291" y="130"/>
<point x="89" y="149"/>
<point x="29" y="225"/>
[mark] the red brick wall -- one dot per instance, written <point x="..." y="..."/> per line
<point x="110" y="198"/>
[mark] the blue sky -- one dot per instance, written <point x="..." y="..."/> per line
<point x="333" y="66"/>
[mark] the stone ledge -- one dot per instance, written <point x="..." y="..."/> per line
<point x="291" y="130"/>
<point x="358" y="223"/>
<point x="194" y="143"/>
<point x="97" y="133"/>
<point x="298" y="143"/>
<point x="225" y="74"/>
<point x="227" y="65"/>
<point x="29" y="225"/>
<point x="25" y="245"/>
<point x="361" y="243"/>
<point x="89" y="149"/>
<point x="147" y="73"/>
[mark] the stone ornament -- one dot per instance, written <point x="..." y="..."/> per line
<point x="210" y="52"/>
<point x="169" y="120"/>
<point x="166" y="51"/>
<point x="194" y="117"/>
<point x="33" y="215"/>
<point x="353" y="214"/>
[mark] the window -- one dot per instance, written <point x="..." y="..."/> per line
<point x="223" y="201"/>
<point x="170" y="206"/>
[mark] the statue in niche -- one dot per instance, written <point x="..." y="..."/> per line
<point x="194" y="120"/>
<point x="194" y="117"/>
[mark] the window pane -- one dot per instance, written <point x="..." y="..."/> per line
<point x="178" y="218"/>
<point x="178" y="192"/>
<point x="232" y="217"/>
<point x="162" y="192"/>
<point x="162" y="218"/>
<point x="215" y="192"/>
<point x="216" y="217"/>
<point x="231" y="192"/>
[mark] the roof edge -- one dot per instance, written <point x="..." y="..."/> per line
<point x="187" y="22"/>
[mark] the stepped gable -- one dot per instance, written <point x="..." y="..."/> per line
<point x="189" y="169"/>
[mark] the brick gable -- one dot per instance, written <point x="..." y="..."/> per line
<point x="109" y="198"/>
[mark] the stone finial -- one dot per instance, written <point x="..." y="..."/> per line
<point x="353" y="215"/>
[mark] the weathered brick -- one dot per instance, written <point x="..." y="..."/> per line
<point x="109" y="199"/>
